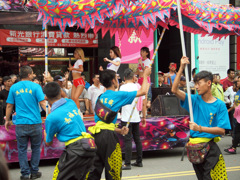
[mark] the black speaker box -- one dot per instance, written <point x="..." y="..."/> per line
<point x="167" y="105"/>
<point x="160" y="91"/>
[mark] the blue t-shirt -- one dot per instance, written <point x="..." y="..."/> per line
<point x="26" y="95"/>
<point x="65" y="121"/>
<point x="237" y="98"/>
<point x="172" y="78"/>
<point x="87" y="85"/>
<point x="115" y="100"/>
<point x="207" y="114"/>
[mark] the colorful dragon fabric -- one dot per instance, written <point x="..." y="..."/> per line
<point x="140" y="15"/>
<point x="82" y="13"/>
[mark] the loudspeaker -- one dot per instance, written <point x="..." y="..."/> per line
<point x="167" y="105"/>
<point x="160" y="91"/>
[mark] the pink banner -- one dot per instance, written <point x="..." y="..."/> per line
<point x="130" y="47"/>
<point x="159" y="133"/>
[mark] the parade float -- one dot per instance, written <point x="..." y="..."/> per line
<point x="128" y="16"/>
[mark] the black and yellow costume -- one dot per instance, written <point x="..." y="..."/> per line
<point x="213" y="167"/>
<point x="109" y="154"/>
<point x="75" y="161"/>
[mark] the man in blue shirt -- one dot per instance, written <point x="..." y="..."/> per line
<point x="109" y="155"/>
<point x="210" y="121"/>
<point x="26" y="95"/>
<point x="65" y="121"/>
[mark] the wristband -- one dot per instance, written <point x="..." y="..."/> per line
<point x="200" y="128"/>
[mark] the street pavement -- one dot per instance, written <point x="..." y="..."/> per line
<point x="165" y="164"/>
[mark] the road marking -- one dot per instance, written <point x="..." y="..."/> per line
<point x="172" y="174"/>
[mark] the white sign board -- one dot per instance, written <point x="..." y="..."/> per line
<point x="213" y="54"/>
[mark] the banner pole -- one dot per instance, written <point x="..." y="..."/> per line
<point x="184" y="54"/>
<point x="46" y="62"/>
<point x="155" y="55"/>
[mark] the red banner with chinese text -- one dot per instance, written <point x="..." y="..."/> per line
<point x="55" y="38"/>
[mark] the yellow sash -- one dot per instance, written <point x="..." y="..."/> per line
<point x="101" y="125"/>
<point x="203" y="140"/>
<point x="84" y="135"/>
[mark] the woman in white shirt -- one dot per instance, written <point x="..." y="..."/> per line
<point x="78" y="82"/>
<point x="114" y="64"/>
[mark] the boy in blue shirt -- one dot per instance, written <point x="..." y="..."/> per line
<point x="26" y="95"/>
<point x="65" y="121"/>
<point x="210" y="121"/>
<point x="109" y="155"/>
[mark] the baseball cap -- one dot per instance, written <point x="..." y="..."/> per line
<point x="58" y="78"/>
<point x="182" y="78"/>
<point x="160" y="72"/>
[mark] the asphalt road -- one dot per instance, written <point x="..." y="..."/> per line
<point x="165" y="164"/>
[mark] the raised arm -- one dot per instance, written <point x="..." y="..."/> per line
<point x="175" y="90"/>
<point x="144" y="87"/>
<point x="117" y="63"/>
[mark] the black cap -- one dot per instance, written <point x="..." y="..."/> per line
<point x="182" y="78"/>
<point x="58" y="78"/>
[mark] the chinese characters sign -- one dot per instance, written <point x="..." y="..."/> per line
<point x="55" y="38"/>
<point x="130" y="47"/>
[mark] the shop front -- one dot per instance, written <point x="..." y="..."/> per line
<point x="22" y="47"/>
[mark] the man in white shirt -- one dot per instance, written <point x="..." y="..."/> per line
<point x="94" y="91"/>
<point x="229" y="96"/>
<point x="134" y="125"/>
